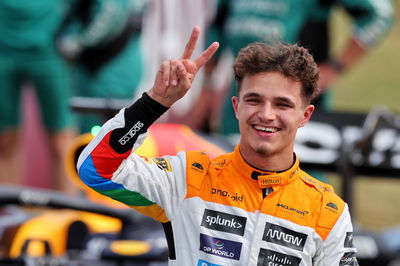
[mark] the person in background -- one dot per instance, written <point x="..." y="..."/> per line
<point x="240" y="22"/>
<point x="166" y="25"/>
<point x="28" y="56"/>
<point x="101" y="40"/>
<point x="371" y="21"/>
<point x="233" y="209"/>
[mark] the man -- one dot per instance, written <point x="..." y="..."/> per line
<point x="28" y="55"/>
<point x="253" y="206"/>
<point x="240" y="22"/>
<point x="111" y="28"/>
<point x="371" y="21"/>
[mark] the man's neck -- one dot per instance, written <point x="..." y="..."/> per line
<point x="268" y="162"/>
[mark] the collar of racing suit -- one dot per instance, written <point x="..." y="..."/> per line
<point x="265" y="179"/>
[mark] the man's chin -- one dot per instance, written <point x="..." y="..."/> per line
<point x="262" y="150"/>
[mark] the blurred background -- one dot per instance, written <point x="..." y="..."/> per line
<point x="109" y="49"/>
<point x="375" y="81"/>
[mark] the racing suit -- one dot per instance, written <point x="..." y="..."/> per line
<point x="222" y="211"/>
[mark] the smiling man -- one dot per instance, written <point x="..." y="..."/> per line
<point x="253" y="206"/>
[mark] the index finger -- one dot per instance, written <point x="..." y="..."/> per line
<point x="191" y="44"/>
<point x="206" y="55"/>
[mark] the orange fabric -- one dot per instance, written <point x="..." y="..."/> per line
<point x="296" y="196"/>
<point x="154" y="211"/>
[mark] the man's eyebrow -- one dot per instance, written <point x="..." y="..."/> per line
<point x="285" y="99"/>
<point x="251" y="94"/>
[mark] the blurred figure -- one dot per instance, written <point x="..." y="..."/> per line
<point x="101" y="39"/>
<point x="167" y="24"/>
<point x="371" y="21"/>
<point x="240" y="22"/>
<point x="28" y="54"/>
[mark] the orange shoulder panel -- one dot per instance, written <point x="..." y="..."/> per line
<point x="197" y="164"/>
<point x="331" y="208"/>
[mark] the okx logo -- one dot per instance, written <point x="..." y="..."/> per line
<point x="283" y="236"/>
<point x="224" y="222"/>
<point x="206" y="263"/>
<point x="273" y="258"/>
<point x="220" y="247"/>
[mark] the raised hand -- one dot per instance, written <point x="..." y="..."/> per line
<point x="175" y="77"/>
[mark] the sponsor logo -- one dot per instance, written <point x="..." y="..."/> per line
<point x="197" y="167"/>
<point x="224" y="222"/>
<point x="348" y="241"/>
<point x="220" y="247"/>
<point x="349" y="259"/>
<point x="163" y="164"/>
<point x="273" y="258"/>
<point x="269" y="180"/>
<point x="291" y="209"/>
<point x="331" y="207"/>
<point x="224" y="193"/>
<point x="323" y="188"/>
<point x="131" y="133"/>
<point x="219" y="163"/>
<point x="206" y="263"/>
<point x="283" y="236"/>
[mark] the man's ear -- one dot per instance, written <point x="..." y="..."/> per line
<point x="307" y="114"/>
<point x="235" y="103"/>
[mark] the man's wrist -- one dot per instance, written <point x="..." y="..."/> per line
<point x="160" y="100"/>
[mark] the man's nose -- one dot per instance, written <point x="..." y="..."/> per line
<point x="267" y="112"/>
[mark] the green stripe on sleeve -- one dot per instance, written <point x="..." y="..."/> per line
<point x="127" y="197"/>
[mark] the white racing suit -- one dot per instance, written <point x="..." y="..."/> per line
<point x="221" y="211"/>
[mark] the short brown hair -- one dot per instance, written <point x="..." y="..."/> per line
<point x="291" y="60"/>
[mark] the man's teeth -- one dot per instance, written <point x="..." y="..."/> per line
<point x="266" y="129"/>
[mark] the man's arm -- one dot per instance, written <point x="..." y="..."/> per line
<point x="371" y="20"/>
<point x="107" y="164"/>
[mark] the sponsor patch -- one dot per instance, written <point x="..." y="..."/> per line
<point x="269" y="180"/>
<point x="224" y="222"/>
<point x="349" y="259"/>
<point x="131" y="133"/>
<point x="220" y="247"/>
<point x="197" y="167"/>
<point x="226" y="194"/>
<point x="220" y="163"/>
<point x="206" y="263"/>
<point x="332" y="205"/>
<point x="163" y="164"/>
<point x="268" y="257"/>
<point x="348" y="241"/>
<point x="289" y="209"/>
<point x="283" y="236"/>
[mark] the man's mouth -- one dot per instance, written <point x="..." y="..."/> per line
<point x="265" y="129"/>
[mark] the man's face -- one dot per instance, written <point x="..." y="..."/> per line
<point x="270" y="109"/>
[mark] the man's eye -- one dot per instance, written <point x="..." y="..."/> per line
<point x="284" y="105"/>
<point x="252" y="100"/>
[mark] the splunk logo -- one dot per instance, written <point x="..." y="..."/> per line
<point x="283" y="236"/>
<point x="131" y="133"/>
<point x="220" y="247"/>
<point x="224" y="193"/>
<point x="273" y="258"/>
<point x="225" y="222"/>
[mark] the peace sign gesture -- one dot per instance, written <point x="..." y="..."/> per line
<point x="174" y="77"/>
